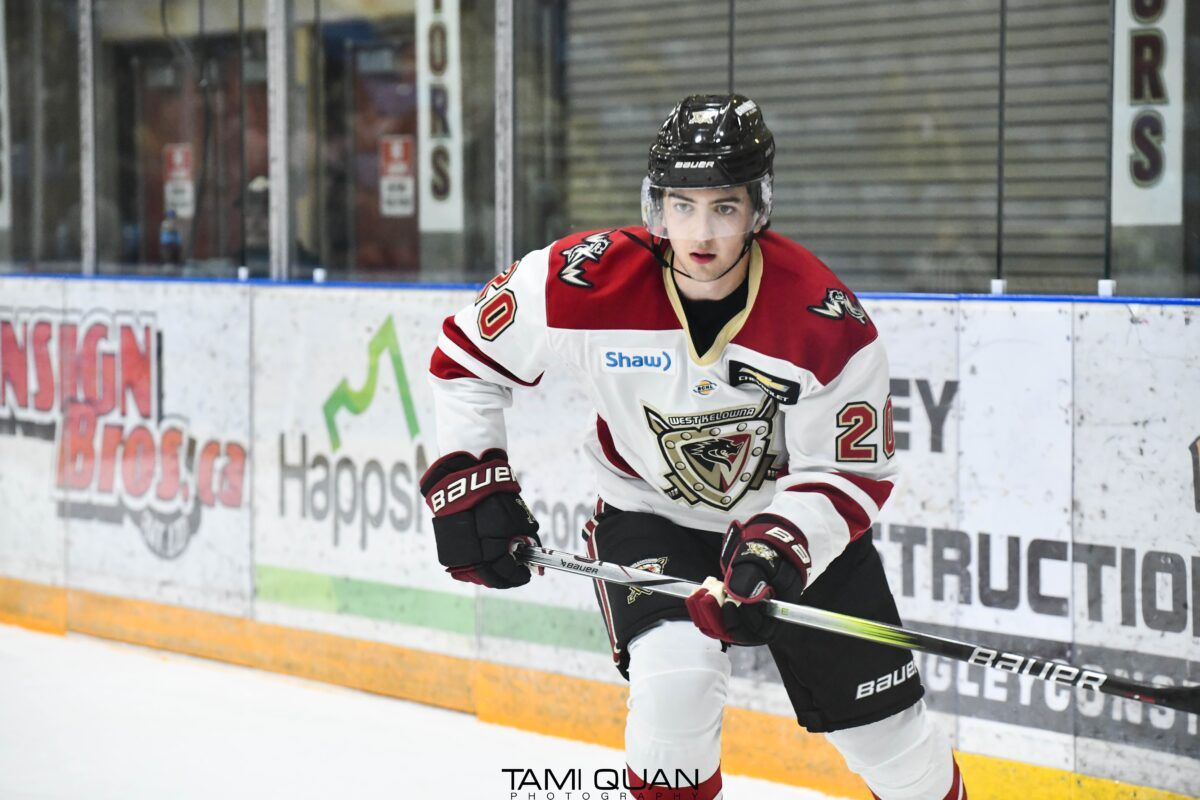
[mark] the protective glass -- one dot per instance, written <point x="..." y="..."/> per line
<point x="700" y="214"/>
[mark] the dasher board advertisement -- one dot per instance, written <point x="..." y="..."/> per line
<point x="344" y="416"/>
<point x="125" y="408"/>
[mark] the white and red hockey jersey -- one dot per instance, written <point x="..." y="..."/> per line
<point x="787" y="412"/>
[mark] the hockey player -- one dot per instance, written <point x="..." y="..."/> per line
<point x="740" y="389"/>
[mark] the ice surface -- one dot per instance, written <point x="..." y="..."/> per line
<point x="87" y="719"/>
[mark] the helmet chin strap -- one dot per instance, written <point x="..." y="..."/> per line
<point x="655" y="249"/>
<point x="745" y="249"/>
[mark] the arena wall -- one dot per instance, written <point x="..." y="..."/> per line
<point x="231" y="470"/>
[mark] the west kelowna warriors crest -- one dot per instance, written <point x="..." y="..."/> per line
<point x="655" y="565"/>
<point x="590" y="249"/>
<point x="716" y="457"/>
<point x="839" y="304"/>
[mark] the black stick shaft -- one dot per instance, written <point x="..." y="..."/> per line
<point x="1182" y="698"/>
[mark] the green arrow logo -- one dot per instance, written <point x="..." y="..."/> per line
<point x="356" y="401"/>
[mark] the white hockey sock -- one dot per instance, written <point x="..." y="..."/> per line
<point x="902" y="757"/>
<point x="678" y="682"/>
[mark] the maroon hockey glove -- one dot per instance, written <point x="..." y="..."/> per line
<point x="763" y="559"/>
<point x="479" y="518"/>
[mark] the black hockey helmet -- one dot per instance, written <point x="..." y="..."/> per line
<point x="710" y="141"/>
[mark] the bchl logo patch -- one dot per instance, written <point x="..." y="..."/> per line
<point x="656" y="565"/>
<point x="839" y="304"/>
<point x="576" y="256"/>
<point x="704" y="388"/>
<point x="715" y="458"/>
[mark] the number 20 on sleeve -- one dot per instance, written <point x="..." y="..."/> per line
<point x="857" y="422"/>
<point x="497" y="305"/>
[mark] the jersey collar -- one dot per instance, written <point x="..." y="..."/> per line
<point x="731" y="328"/>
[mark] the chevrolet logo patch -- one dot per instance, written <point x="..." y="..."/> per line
<point x="785" y="391"/>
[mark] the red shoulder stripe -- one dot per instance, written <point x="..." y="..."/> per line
<point x="858" y="521"/>
<point x="610" y="448"/>
<point x="624" y="290"/>
<point x="455" y="334"/>
<point x="879" y="491"/>
<point x="444" y="367"/>
<point x="782" y="323"/>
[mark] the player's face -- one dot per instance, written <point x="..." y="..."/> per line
<point x="707" y="227"/>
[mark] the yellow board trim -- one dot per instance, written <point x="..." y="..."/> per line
<point x="544" y="702"/>
<point x="33" y="605"/>
<point x="372" y="666"/>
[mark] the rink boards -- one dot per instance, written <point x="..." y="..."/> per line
<point x="231" y="469"/>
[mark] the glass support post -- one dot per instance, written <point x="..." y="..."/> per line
<point x="504" y="134"/>
<point x="87" y="140"/>
<point x="279" y="52"/>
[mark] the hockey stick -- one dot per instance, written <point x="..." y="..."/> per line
<point x="1182" y="698"/>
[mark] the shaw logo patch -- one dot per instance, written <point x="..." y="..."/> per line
<point x="574" y="258"/>
<point x="838" y="304"/>
<point x="638" y="359"/>
<point x="656" y="565"/>
<point x="785" y="391"/>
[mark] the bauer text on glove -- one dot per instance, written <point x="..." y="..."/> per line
<point x="479" y="518"/>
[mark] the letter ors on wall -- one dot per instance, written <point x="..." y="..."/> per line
<point x="439" y="116"/>
<point x="1147" y="168"/>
